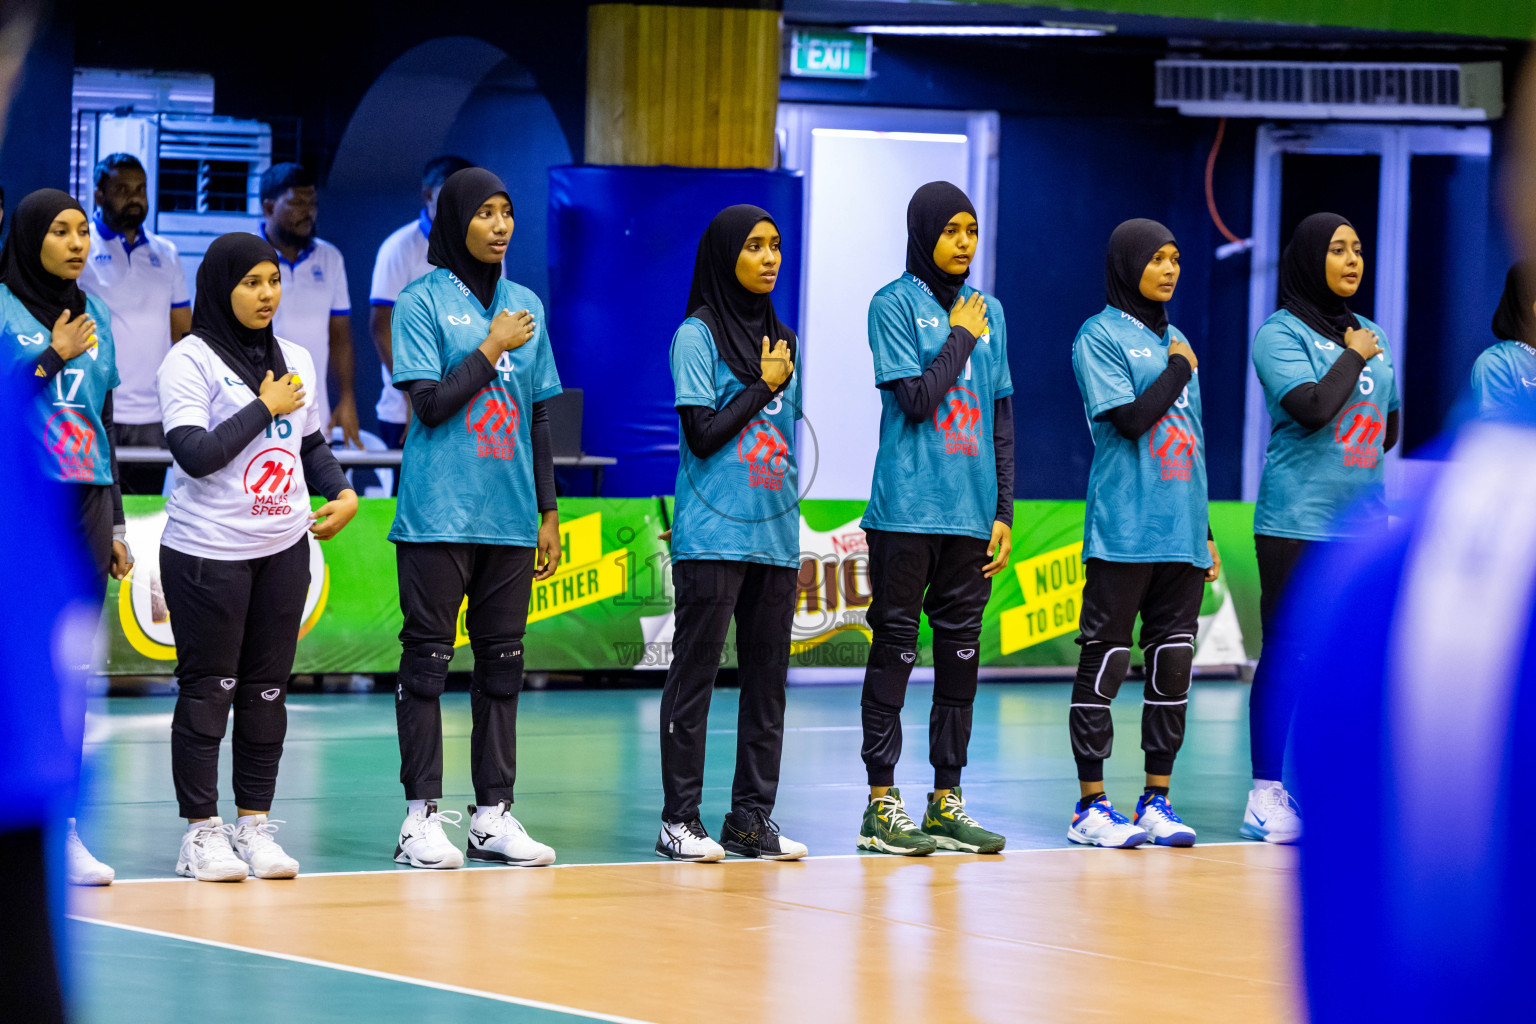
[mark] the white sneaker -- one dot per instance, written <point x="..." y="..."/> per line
<point x="1156" y="816"/>
<point x="687" y="841"/>
<point x="422" y="842"/>
<point x="1272" y="815"/>
<point x="80" y="868"/>
<point x="253" y="843"/>
<point x="1101" y="825"/>
<point x="206" y="854"/>
<point x="495" y="835"/>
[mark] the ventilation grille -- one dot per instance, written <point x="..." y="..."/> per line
<point x="1417" y="92"/>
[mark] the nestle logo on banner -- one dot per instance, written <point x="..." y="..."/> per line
<point x="854" y="542"/>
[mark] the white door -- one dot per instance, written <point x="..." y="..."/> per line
<point x="1386" y="256"/>
<point x="861" y="166"/>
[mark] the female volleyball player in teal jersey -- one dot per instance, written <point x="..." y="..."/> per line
<point x="476" y="517"/>
<point x="1146" y="542"/>
<point x="60" y="341"/>
<point x="1504" y="376"/>
<point x="1331" y="390"/>
<point x="939" y="515"/>
<point x="735" y="536"/>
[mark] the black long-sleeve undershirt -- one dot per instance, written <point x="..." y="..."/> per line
<point x="321" y="470"/>
<point x="1390" y="441"/>
<point x="543" y="459"/>
<point x="434" y="402"/>
<point x="51" y="363"/>
<point x="919" y="396"/>
<point x="708" y="430"/>
<point x="1135" y="418"/>
<point x="1002" y="450"/>
<point x="1315" y="405"/>
<point x="199" y="451"/>
<point x="117" y="486"/>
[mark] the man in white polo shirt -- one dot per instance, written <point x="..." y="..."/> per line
<point x="402" y="259"/>
<point x="315" y="309"/>
<point x="138" y="275"/>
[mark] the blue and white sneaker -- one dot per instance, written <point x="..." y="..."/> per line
<point x="1272" y="815"/>
<point x="1101" y="825"/>
<point x="1155" y="815"/>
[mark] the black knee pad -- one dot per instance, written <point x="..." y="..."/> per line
<point x="499" y="671"/>
<point x="424" y="671"/>
<point x="885" y="677"/>
<point x="956" y="664"/>
<point x="1169" y="665"/>
<point x="261" y="712"/>
<point x="1100" y="671"/>
<point x="202" y="706"/>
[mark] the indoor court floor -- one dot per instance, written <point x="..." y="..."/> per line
<point x="1045" y="932"/>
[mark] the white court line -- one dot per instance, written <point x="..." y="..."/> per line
<point x="367" y="972"/>
<point x="403" y="870"/>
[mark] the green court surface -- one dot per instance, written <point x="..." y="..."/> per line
<point x="589" y="785"/>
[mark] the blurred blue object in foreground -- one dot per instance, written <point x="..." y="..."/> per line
<point x="1415" y="748"/>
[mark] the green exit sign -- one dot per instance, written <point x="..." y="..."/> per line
<point x="829" y="54"/>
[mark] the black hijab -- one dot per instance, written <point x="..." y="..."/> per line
<point x="1131" y="247"/>
<point x="251" y="353"/>
<point x="737" y="318"/>
<point x="933" y="206"/>
<point x="1304" y="279"/>
<point x="1514" y="319"/>
<point x="21" y="261"/>
<point x="462" y="194"/>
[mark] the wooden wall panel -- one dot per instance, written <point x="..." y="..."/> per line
<point x="689" y="86"/>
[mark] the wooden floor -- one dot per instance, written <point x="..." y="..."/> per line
<point x="1037" y="935"/>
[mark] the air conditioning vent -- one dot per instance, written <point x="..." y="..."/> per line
<point x="1332" y="92"/>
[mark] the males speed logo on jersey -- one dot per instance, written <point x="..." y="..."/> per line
<point x="492" y="420"/>
<point x="1172" y="443"/>
<point x="1359" y="429"/>
<point x="765" y="453"/>
<point x="269" y="480"/>
<point x="958" y="418"/>
<point x="72" y="439"/>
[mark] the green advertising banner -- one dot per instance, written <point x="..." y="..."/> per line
<point x="609" y="606"/>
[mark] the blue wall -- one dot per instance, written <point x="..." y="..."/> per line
<point x="622" y="243"/>
<point x="35" y="152"/>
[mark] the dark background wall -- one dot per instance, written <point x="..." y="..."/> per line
<point x="1082" y="148"/>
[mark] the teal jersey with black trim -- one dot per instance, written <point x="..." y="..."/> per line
<point x="1312" y="476"/>
<point x="1147" y="498"/>
<point x="66" y="416"/>
<point x="742" y="502"/>
<point x="938" y="475"/>
<point x="470" y="478"/>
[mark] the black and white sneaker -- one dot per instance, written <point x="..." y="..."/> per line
<point x="687" y="840"/>
<point x="753" y="834"/>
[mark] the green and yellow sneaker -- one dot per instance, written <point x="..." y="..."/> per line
<point x="888" y="828"/>
<point x="953" y="829"/>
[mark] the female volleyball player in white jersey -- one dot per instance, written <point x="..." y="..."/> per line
<point x="234" y="557"/>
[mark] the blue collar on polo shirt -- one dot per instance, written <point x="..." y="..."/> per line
<point x="107" y="234"/>
<point x="425" y="223"/>
<point x="303" y="254"/>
